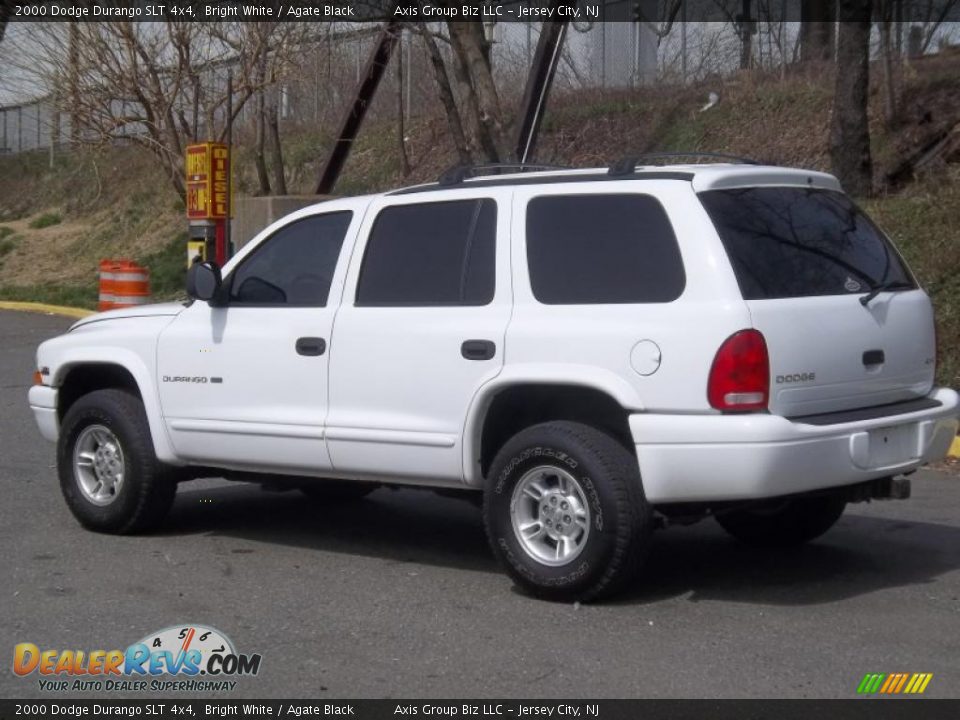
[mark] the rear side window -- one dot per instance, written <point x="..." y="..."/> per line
<point x="439" y="253"/>
<point x="591" y="249"/>
<point x="795" y="242"/>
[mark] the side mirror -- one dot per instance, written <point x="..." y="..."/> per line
<point x="204" y="280"/>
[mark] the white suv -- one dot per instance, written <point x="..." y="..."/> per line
<point x="594" y="352"/>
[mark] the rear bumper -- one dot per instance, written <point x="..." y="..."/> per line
<point x="699" y="458"/>
<point x="43" y="403"/>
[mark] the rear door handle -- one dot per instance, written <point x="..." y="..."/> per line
<point x="311" y="346"/>
<point x="478" y="349"/>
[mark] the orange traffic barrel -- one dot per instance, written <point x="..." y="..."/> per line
<point x="131" y="284"/>
<point x="108" y="269"/>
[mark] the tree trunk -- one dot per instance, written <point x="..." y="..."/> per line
<point x="445" y="93"/>
<point x="469" y="44"/>
<point x="73" y="71"/>
<point x="849" y="128"/>
<point x="886" y="59"/>
<point x="401" y="128"/>
<point x="746" y="38"/>
<point x="817" y="30"/>
<point x="478" y="139"/>
<point x="259" y="158"/>
<point x="276" y="151"/>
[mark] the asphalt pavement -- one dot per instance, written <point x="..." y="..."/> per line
<point x="398" y="595"/>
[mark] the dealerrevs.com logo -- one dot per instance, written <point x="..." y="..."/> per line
<point x="187" y="658"/>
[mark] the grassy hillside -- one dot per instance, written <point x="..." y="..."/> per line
<point x="922" y="221"/>
<point x="57" y="223"/>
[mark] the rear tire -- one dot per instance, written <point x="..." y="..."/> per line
<point x="109" y="472"/>
<point x="337" y="491"/>
<point x="788" y="523"/>
<point x="565" y="513"/>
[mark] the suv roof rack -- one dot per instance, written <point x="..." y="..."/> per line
<point x="628" y="165"/>
<point x="458" y="173"/>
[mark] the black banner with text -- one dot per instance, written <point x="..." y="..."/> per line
<point x="578" y="11"/>
<point x="181" y="709"/>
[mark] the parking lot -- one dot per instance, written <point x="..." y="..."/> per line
<point x="398" y="595"/>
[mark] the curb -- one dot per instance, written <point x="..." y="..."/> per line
<point x="45" y="308"/>
<point x="954" y="450"/>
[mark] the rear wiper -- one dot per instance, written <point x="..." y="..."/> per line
<point x="883" y="287"/>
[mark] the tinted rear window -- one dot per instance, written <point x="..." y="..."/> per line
<point x="795" y="242"/>
<point x="439" y="253"/>
<point x="589" y="249"/>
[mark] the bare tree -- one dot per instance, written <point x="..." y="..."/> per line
<point x="152" y="82"/>
<point x="775" y="21"/>
<point x="849" y="128"/>
<point x="276" y="148"/>
<point x="738" y="14"/>
<point x="817" y="30"/>
<point x="886" y="11"/>
<point x="400" y="124"/>
<point x="932" y="14"/>
<point x="472" y="61"/>
<point x="445" y="93"/>
<point x="260" y="123"/>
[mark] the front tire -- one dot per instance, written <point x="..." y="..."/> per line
<point x="565" y="513"/>
<point x="109" y="474"/>
<point x="784" y="524"/>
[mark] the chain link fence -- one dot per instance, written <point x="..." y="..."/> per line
<point x="601" y="56"/>
<point x="32" y="126"/>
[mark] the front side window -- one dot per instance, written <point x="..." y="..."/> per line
<point x="294" y="266"/>
<point x="593" y="249"/>
<point x="439" y="253"/>
<point x="788" y="242"/>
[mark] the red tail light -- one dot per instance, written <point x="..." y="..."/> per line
<point x="740" y="376"/>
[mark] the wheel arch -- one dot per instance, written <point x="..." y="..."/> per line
<point x="82" y="375"/>
<point x="509" y="404"/>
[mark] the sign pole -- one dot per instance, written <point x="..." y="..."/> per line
<point x="228" y="241"/>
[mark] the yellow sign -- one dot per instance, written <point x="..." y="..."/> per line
<point x="208" y="181"/>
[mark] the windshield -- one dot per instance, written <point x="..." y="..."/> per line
<point x="795" y="242"/>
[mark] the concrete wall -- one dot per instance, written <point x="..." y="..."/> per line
<point x="253" y="214"/>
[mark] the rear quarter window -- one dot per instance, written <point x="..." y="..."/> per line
<point x="595" y="249"/>
<point x="794" y="242"/>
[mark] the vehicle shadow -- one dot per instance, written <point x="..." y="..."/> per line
<point x="405" y="525"/>
<point x="861" y="555"/>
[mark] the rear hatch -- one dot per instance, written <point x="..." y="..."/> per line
<point x="806" y="260"/>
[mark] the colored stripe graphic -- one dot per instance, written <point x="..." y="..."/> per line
<point x="894" y="683"/>
<point x="870" y="683"/>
